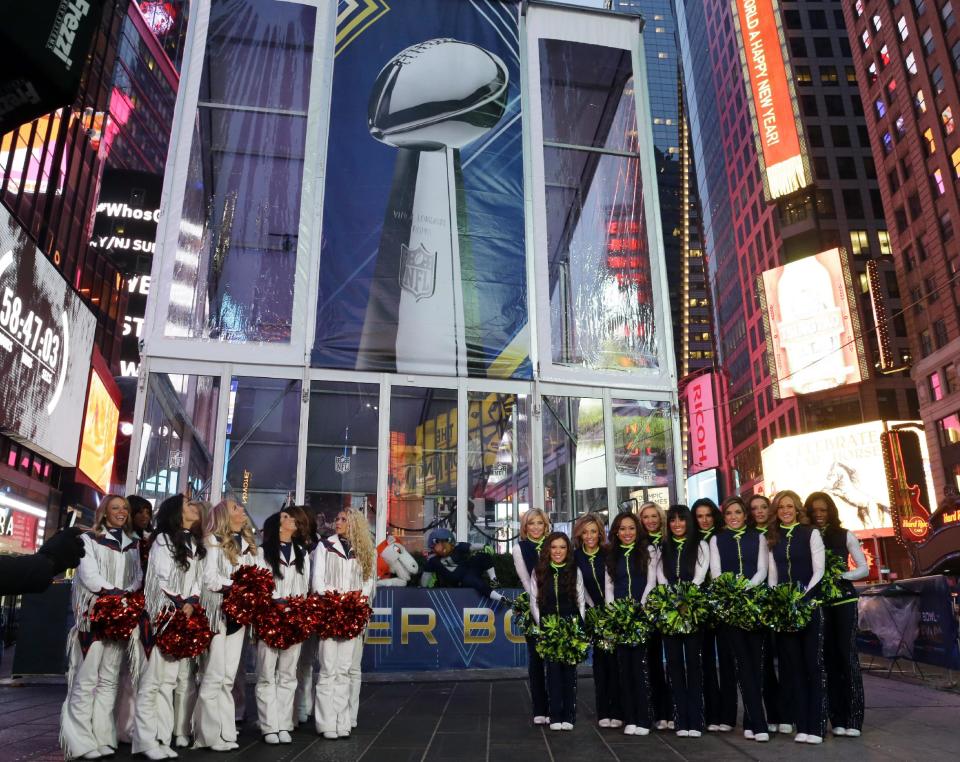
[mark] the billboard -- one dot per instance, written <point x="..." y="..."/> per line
<point x="46" y="335"/>
<point x="847" y="463"/>
<point x="422" y="268"/>
<point x="776" y="119"/>
<point x="704" y="484"/>
<point x="702" y="424"/>
<point x="812" y="325"/>
<point x="100" y="424"/>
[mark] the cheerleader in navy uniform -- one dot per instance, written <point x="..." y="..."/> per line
<point x="631" y="572"/>
<point x="798" y="557"/>
<point x="842" y="663"/>
<point x="653" y="524"/>
<point x="110" y="566"/>
<point x="591" y="557"/>
<point x="684" y="557"/>
<point x="719" y="676"/>
<point x="742" y="550"/>
<point x="556" y="587"/>
<point x="534" y="527"/>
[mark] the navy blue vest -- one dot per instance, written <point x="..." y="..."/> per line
<point x="835" y="541"/>
<point x="593" y="571"/>
<point x="561" y="604"/>
<point x="628" y="582"/>
<point x="792" y="555"/>
<point x="739" y="556"/>
<point x="531" y="555"/>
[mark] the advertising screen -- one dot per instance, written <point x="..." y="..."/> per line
<point x="46" y="334"/>
<point x="99" y="432"/>
<point x="704" y="484"/>
<point x="812" y="325"/>
<point x="701" y="421"/>
<point x="423" y="258"/>
<point x="846" y="462"/>
<point x="766" y="70"/>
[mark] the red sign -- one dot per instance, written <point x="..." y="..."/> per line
<point x="775" y="121"/>
<point x="704" y="452"/>
<point x="24" y="532"/>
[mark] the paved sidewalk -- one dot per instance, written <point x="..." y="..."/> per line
<point x="487" y="721"/>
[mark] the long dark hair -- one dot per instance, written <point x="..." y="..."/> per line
<point x="271" y="541"/>
<point x="714" y="511"/>
<point x="688" y="554"/>
<point x="568" y="574"/>
<point x="833" y="515"/>
<point x="639" y="558"/>
<point x="170" y="523"/>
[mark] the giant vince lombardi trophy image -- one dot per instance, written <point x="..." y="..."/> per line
<point x="429" y="101"/>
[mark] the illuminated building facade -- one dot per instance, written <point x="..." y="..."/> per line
<point x="907" y="56"/>
<point x="753" y="224"/>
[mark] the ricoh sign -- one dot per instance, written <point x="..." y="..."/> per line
<point x="702" y="424"/>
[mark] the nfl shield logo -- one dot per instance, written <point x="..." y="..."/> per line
<point x="418" y="271"/>
<point x="341" y="464"/>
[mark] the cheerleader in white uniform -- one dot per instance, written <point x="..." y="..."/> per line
<point x="174" y="572"/>
<point x="283" y="552"/>
<point x="306" y="669"/>
<point x="345" y="561"/>
<point x="110" y="566"/>
<point x="228" y="535"/>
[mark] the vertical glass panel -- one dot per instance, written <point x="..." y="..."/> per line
<point x="601" y="295"/>
<point x="423" y="463"/>
<point x="263" y="421"/>
<point x="644" y="457"/>
<point x="574" y="462"/>
<point x="498" y="446"/>
<point x="342" y="449"/>
<point x="234" y="272"/>
<point x="179" y="431"/>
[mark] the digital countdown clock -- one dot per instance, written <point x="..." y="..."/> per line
<point x="46" y="336"/>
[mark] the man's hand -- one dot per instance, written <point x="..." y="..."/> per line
<point x="187" y="610"/>
<point x="65" y="549"/>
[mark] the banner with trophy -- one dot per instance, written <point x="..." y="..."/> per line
<point x="422" y="267"/>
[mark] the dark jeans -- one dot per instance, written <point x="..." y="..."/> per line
<point x="538" y="679"/>
<point x="634" y="688"/>
<point x="562" y="691"/>
<point x="686" y="678"/>
<point x="606" y="681"/>
<point x="801" y="675"/>
<point x="748" y="651"/>
<point x="474" y="573"/>
<point x="842" y="663"/>
<point x="661" y="702"/>
<point x="719" y="680"/>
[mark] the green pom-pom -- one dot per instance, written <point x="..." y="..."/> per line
<point x="599" y="628"/>
<point x="735" y="603"/>
<point x="787" y="609"/>
<point x="831" y="588"/>
<point x="625" y="623"/>
<point x="679" y="609"/>
<point x="562" y="639"/>
<point x="522" y="617"/>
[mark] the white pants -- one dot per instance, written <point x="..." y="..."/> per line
<point x="339" y="671"/>
<point x="153" y="717"/>
<point x="185" y="698"/>
<point x="86" y="720"/>
<point x="126" y="701"/>
<point x="213" y="719"/>
<point x="355" y="680"/>
<point x="276" y="686"/>
<point x="306" y="689"/>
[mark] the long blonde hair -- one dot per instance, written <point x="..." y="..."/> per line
<point x="530" y="514"/>
<point x="216" y="523"/>
<point x="582" y="523"/>
<point x="358" y="535"/>
<point x="660" y="512"/>
<point x="100" y="517"/>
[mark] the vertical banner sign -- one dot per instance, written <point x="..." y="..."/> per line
<point x="422" y="265"/>
<point x="776" y="124"/>
<point x="702" y="424"/>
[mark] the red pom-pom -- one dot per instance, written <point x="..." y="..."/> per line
<point x="115" y="617"/>
<point x="284" y="624"/>
<point x="344" y="615"/>
<point x="250" y="593"/>
<point x="180" y="637"/>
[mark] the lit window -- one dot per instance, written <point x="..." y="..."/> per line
<point x="859" y="243"/>
<point x="955" y="160"/>
<point x="858" y="6"/>
<point x="891" y="86"/>
<point x="949" y="429"/>
<point x="931" y="143"/>
<point x="876" y="22"/>
<point x="661" y="55"/>
<point x="884" y="57"/>
<point x="938" y="182"/>
<point x="881" y="108"/>
<point x="884" y="237"/>
<point x="804" y="77"/>
<point x="901" y="126"/>
<point x="936" y="389"/>
<point x="887" y="142"/>
<point x="920" y="102"/>
<point x="946" y="116"/>
<point x="902" y="27"/>
<point x="865" y="39"/>
<point x="911" y="62"/>
<point x="872" y="73"/>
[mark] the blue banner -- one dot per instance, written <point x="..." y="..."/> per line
<point x="414" y="629"/>
<point x="422" y="267"/>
